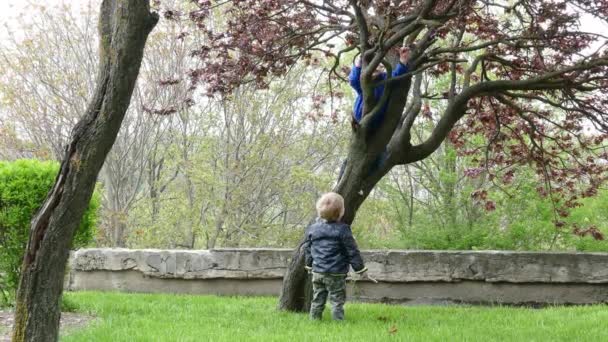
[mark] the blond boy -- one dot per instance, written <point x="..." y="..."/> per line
<point x="330" y="249"/>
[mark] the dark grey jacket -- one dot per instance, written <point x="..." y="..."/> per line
<point x="330" y="248"/>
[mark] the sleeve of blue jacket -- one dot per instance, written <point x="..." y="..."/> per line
<point x="352" y="251"/>
<point x="354" y="78"/>
<point x="401" y="69"/>
<point x="307" y="254"/>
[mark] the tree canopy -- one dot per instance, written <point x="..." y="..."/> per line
<point x="522" y="74"/>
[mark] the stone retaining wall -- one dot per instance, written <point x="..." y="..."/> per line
<point x="404" y="276"/>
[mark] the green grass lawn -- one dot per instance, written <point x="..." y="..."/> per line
<point x="142" y="317"/>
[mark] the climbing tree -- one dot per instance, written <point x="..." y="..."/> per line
<point x="524" y="75"/>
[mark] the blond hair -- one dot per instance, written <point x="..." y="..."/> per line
<point x="330" y="206"/>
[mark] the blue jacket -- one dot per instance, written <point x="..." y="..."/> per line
<point x="355" y="81"/>
<point x="331" y="248"/>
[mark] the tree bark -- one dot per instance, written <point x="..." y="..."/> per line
<point x="361" y="175"/>
<point x="296" y="293"/>
<point x="124" y="27"/>
<point x="355" y="186"/>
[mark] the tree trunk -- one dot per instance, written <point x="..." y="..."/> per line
<point x="355" y="186"/>
<point x="296" y="293"/>
<point x="124" y="27"/>
<point x="369" y="159"/>
<point x="119" y="227"/>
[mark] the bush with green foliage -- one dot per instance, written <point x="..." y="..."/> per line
<point x="24" y="185"/>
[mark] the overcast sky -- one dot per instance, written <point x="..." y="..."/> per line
<point x="12" y="12"/>
<point x="10" y="9"/>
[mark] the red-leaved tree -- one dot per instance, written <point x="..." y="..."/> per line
<point x="523" y="74"/>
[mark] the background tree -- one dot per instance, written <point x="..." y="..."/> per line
<point x="250" y="165"/>
<point x="124" y="27"/>
<point x="167" y="176"/>
<point x="42" y="101"/>
<point x="534" y="81"/>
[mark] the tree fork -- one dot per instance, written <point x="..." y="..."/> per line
<point x="124" y="27"/>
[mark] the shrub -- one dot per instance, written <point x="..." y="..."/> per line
<point x="24" y="185"/>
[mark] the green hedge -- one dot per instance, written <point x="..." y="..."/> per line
<point x="24" y="185"/>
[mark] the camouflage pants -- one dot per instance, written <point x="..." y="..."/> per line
<point x="324" y="285"/>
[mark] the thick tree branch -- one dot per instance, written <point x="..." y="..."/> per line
<point x="362" y="24"/>
<point x="457" y="108"/>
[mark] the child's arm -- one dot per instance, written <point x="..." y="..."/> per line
<point x="402" y="67"/>
<point x="352" y="251"/>
<point x="355" y="76"/>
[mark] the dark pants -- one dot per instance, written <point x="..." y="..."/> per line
<point x="324" y="285"/>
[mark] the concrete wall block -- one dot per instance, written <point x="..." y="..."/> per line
<point x="404" y="276"/>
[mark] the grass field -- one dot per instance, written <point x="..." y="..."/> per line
<point x="142" y="317"/>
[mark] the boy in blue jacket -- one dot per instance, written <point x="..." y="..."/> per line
<point x="355" y="81"/>
<point x="380" y="74"/>
<point x="330" y="250"/>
